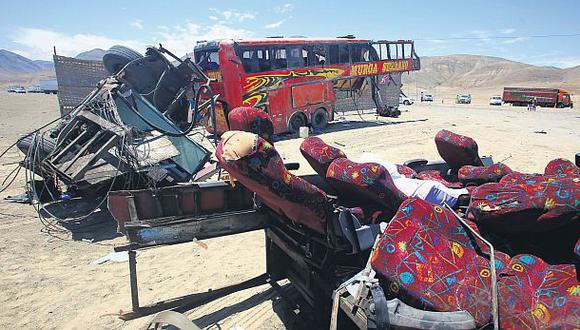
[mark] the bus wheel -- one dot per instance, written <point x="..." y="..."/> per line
<point x="320" y="119"/>
<point x="296" y="121"/>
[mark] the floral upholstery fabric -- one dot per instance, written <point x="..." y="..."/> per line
<point x="263" y="172"/>
<point x="319" y="154"/>
<point x="427" y="258"/>
<point x="561" y="166"/>
<point x="406" y="171"/>
<point x="483" y="174"/>
<point x="364" y="182"/>
<point x="457" y="150"/>
<point x="436" y="176"/>
<point x="536" y="295"/>
<point x="252" y="120"/>
<point x="535" y="206"/>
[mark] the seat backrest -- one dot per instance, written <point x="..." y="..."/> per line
<point x="561" y="166"/>
<point x="430" y="260"/>
<point x="255" y="163"/>
<point x="319" y="154"/>
<point x="457" y="150"/>
<point x="364" y="182"/>
<point x="252" y="120"/>
<point x="548" y="204"/>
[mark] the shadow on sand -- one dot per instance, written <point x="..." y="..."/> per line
<point x="76" y="216"/>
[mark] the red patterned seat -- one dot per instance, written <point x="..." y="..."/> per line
<point x="536" y="295"/>
<point x="255" y="163"/>
<point x="483" y="174"/>
<point x="457" y="150"/>
<point x="529" y="207"/>
<point x="364" y="183"/>
<point x="561" y="166"/>
<point x="435" y="175"/>
<point x="319" y="154"/>
<point x="252" y="120"/>
<point x="427" y="258"/>
<point x="406" y="171"/>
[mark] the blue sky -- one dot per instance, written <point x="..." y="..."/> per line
<point x="31" y="28"/>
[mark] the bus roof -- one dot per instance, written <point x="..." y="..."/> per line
<point x="283" y="40"/>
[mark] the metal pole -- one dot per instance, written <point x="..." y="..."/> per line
<point x="133" y="279"/>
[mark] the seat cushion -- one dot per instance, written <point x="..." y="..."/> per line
<point x="319" y="154"/>
<point x="561" y="166"/>
<point x="532" y="207"/>
<point x="406" y="171"/>
<point x="435" y="175"/>
<point x="252" y="120"/>
<point x="364" y="183"/>
<point x="536" y="295"/>
<point x="255" y="163"/>
<point x="457" y="150"/>
<point x="483" y="174"/>
<point x="428" y="259"/>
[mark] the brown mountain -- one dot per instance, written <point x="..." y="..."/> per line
<point x="486" y="75"/>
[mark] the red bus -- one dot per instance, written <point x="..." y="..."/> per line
<point x="295" y="79"/>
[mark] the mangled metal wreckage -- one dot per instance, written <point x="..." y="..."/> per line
<point x="352" y="239"/>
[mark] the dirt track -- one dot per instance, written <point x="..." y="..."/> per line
<point x="49" y="282"/>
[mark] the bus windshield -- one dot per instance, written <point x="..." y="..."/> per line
<point x="208" y="59"/>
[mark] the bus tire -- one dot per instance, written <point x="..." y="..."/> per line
<point x="117" y="57"/>
<point x="319" y="119"/>
<point x="296" y="121"/>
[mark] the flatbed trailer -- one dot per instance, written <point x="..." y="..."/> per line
<point x="544" y="97"/>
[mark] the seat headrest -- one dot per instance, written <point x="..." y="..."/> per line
<point x="252" y="120"/>
<point x="364" y="182"/>
<point x="319" y="154"/>
<point x="457" y="150"/>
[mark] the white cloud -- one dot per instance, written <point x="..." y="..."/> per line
<point x="180" y="39"/>
<point x="184" y="39"/>
<point x="138" y="24"/>
<point x="232" y="14"/>
<point x="559" y="62"/>
<point x="482" y="34"/>
<point x="275" y="24"/>
<point x="38" y="43"/>
<point x="507" y="31"/>
<point x="514" y="40"/>
<point x="287" y="7"/>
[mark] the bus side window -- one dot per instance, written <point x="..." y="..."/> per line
<point x="356" y="53"/>
<point x="295" y="57"/>
<point x="278" y="58"/>
<point x="319" y="55"/>
<point x="343" y="56"/>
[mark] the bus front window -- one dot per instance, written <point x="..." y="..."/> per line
<point x="208" y="60"/>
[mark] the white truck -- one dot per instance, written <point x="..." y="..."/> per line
<point x="48" y="86"/>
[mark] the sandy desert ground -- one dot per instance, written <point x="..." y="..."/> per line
<point x="49" y="282"/>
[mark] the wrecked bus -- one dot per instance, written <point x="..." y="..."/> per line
<point x="296" y="80"/>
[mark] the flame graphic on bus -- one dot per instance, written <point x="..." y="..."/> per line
<point x="257" y="87"/>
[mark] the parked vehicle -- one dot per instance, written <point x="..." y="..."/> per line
<point x="463" y="99"/>
<point x="34" y="89"/>
<point x="16" y="89"/>
<point x="495" y="100"/>
<point x="426" y="97"/>
<point x="49" y="86"/>
<point x="297" y="80"/>
<point x="545" y="97"/>
<point x="403" y="99"/>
